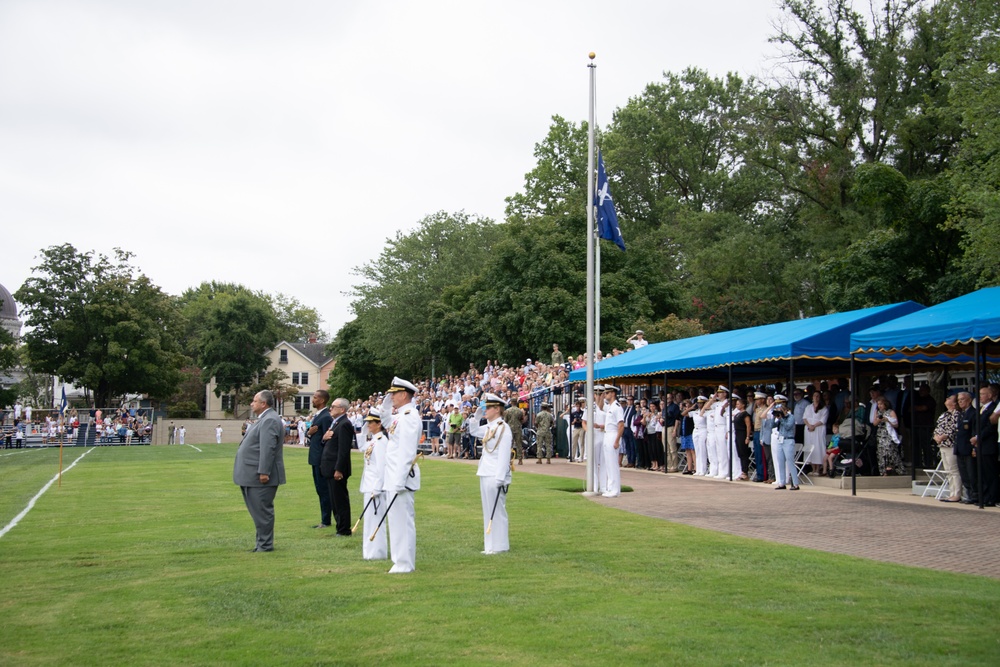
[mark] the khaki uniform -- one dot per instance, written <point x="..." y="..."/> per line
<point x="513" y="416"/>
<point x="544" y="421"/>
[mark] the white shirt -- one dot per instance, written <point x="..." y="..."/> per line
<point x="373" y="476"/>
<point x="613" y="415"/>
<point x="497" y="439"/>
<point x="404" y="428"/>
<point x="639" y="342"/>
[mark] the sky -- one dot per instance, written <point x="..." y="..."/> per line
<point x="279" y="144"/>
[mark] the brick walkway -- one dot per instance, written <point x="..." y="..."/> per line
<point x="886" y="526"/>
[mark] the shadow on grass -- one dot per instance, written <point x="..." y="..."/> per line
<point x="577" y="486"/>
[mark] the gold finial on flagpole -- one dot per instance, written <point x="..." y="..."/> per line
<point x="592" y="55"/>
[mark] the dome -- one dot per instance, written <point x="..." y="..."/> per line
<point x="8" y="313"/>
<point x="8" y="309"/>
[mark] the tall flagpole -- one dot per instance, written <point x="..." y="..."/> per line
<point x="597" y="292"/>
<point x="589" y="410"/>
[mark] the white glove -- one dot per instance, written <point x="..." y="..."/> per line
<point x="480" y="412"/>
<point x="499" y="483"/>
<point x="386" y="410"/>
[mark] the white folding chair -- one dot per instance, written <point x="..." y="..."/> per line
<point x="937" y="481"/>
<point x="800" y="464"/>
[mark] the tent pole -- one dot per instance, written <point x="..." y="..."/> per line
<point x="790" y="393"/>
<point x="977" y="450"/>
<point x="732" y="436"/>
<point x="854" y="408"/>
<point x="912" y="431"/>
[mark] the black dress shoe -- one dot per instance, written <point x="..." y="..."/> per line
<point x="970" y="502"/>
<point x="989" y="504"/>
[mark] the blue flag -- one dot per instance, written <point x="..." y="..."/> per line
<point x="607" y="219"/>
<point x="63" y="404"/>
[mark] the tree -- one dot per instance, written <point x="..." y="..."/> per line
<point x="274" y="381"/>
<point x="358" y="371"/>
<point x="240" y="330"/>
<point x="553" y="186"/>
<point x="678" y="145"/>
<point x="8" y="360"/>
<point x="298" y="321"/>
<point x="404" y="285"/>
<point x="95" y="323"/>
<point x="197" y="304"/>
<point x="971" y="68"/>
<point x="843" y="96"/>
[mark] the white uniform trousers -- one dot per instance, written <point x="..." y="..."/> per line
<point x="374" y="549"/>
<point x="402" y="522"/>
<point x="612" y="473"/>
<point x="713" y="453"/>
<point x="721" y="447"/>
<point x="729" y="458"/>
<point x="497" y="539"/>
<point x="700" y="437"/>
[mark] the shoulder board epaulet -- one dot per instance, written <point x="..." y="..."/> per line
<point x="407" y="412"/>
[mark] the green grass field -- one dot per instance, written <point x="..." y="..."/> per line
<point x="141" y="558"/>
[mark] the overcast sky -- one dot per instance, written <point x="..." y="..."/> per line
<point x="278" y="144"/>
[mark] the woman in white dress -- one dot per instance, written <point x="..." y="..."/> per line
<point x="814" y="445"/>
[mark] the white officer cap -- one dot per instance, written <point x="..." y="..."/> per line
<point x="492" y="400"/>
<point x="398" y="384"/>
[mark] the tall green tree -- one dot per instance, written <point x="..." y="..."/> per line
<point x="358" y="370"/>
<point x="239" y="331"/>
<point x="970" y="67"/>
<point x="838" y="101"/>
<point x="298" y="321"/>
<point x="678" y="145"/>
<point x="8" y="360"/>
<point x="97" y="323"/>
<point x="404" y="285"/>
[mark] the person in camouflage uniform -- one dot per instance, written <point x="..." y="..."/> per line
<point x="514" y="416"/>
<point x="544" y="421"/>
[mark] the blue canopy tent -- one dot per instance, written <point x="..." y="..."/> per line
<point x="945" y="333"/>
<point x="816" y="346"/>
<point x="957" y="333"/>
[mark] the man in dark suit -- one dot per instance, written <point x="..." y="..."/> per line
<point x="321" y="422"/>
<point x="335" y="464"/>
<point x="259" y="467"/>
<point x="986" y="446"/>
<point x="963" y="448"/>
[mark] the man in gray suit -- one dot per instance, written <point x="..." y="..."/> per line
<point x="260" y="467"/>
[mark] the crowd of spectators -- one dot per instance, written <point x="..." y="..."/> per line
<point x="666" y="431"/>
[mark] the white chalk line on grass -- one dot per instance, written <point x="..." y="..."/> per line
<point x="31" y="503"/>
<point x="193" y="447"/>
<point x="22" y="451"/>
